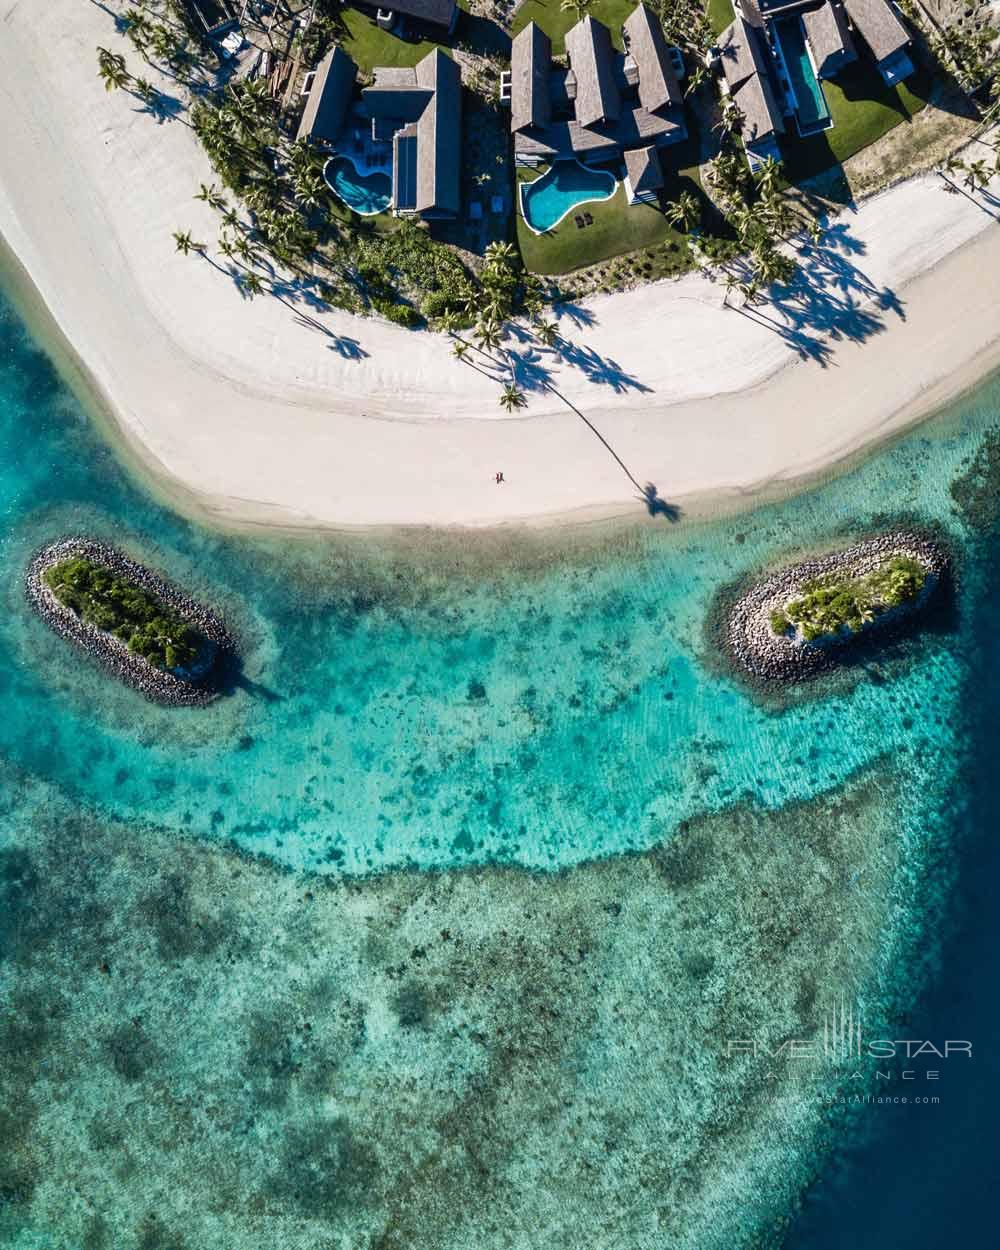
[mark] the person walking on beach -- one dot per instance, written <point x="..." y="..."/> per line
<point x="499" y="478"/>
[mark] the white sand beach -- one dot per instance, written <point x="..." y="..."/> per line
<point x="256" y="417"/>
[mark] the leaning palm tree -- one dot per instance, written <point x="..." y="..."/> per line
<point x="459" y="349"/>
<point x="511" y="398"/>
<point x="145" y="90"/>
<point x="212" y="196"/>
<point x="978" y="175"/>
<point x="251" y="284"/>
<point x="185" y="244"/>
<point x="488" y="334"/>
<point x="245" y="250"/>
<point x="111" y="68"/>
<point x="732" y="284"/>
<point x="766" y="176"/>
<point x="685" y="211"/>
<point x="547" y="333"/>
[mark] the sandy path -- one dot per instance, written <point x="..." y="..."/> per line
<point x="257" y="417"/>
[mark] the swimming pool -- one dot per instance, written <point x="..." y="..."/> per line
<point x="367" y="194"/>
<point x="567" y="185"/>
<point x="811" y="111"/>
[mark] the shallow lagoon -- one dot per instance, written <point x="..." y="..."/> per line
<point x="542" y="711"/>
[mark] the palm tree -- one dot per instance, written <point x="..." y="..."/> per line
<point x="770" y="265"/>
<point x="766" y="176"/>
<point x="953" y="165"/>
<point x="459" y="349"/>
<point x="308" y="188"/>
<point x="512" y="398"/>
<point x="732" y="284"/>
<point x="547" y="333"/>
<point x="685" y="211"/>
<point x="978" y="175"/>
<point x="145" y="90"/>
<point x="138" y="28"/>
<point x="697" y="76"/>
<point x="500" y="253"/>
<point x="579" y="7"/>
<point x="185" y="244"/>
<point x="251" y="283"/>
<point x="244" y="249"/>
<point x="111" y="68"/>
<point x="210" y="194"/>
<point x="488" y="334"/>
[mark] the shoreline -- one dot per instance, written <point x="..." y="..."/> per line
<point x="230" y="418"/>
<point x="243" y="516"/>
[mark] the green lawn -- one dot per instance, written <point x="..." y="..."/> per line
<point x="720" y="14"/>
<point x="617" y="228"/>
<point x="370" y="46"/>
<point x="863" y="109"/>
<point x="556" y="22"/>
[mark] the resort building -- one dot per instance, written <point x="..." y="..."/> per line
<point x="643" y="175"/>
<point x="600" y="105"/>
<point x="880" y="26"/>
<point x="829" y="39"/>
<point x="776" y="53"/>
<point x="405" y="129"/>
<point x="419" y="110"/>
<point x="328" y="91"/>
<point x="746" y="66"/>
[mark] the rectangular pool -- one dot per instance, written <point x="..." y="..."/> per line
<point x="811" y="111"/>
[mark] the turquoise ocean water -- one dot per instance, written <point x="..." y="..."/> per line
<point x="539" y="712"/>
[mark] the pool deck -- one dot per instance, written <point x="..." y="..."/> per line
<point x="590" y="199"/>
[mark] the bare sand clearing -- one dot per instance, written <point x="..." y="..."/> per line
<point x="253" y="416"/>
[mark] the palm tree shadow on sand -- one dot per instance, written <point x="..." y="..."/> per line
<point x="656" y="505"/>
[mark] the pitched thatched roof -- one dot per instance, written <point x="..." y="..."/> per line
<point x="530" y="69"/>
<point x="645" y="173"/>
<point x="829" y="38"/>
<point x="741" y="54"/>
<point x="439" y="135"/>
<point x="879" y="26"/>
<point x="436" y="12"/>
<point x="591" y="58"/>
<point x="648" y="47"/>
<point x="329" y="97"/>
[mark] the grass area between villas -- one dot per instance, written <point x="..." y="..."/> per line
<point x="370" y="45"/>
<point x="863" y="109"/>
<point x="720" y="14"/>
<point x="556" y="21"/>
<point x="617" y="228"/>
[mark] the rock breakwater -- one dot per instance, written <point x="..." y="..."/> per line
<point x="176" y="688"/>
<point x="768" y="657"/>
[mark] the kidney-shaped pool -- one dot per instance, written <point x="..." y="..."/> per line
<point x="547" y="200"/>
